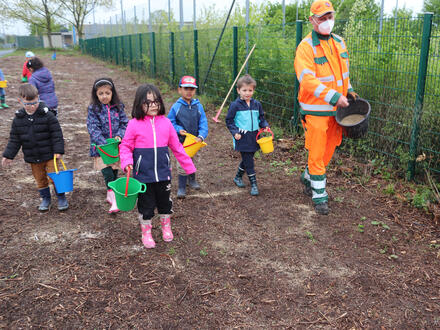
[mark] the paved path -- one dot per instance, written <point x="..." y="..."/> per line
<point x="3" y="52"/>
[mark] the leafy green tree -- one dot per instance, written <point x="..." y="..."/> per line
<point x="38" y="12"/>
<point x="78" y="10"/>
<point x="432" y="6"/>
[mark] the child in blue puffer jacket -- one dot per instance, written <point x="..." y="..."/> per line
<point x="244" y="119"/>
<point x="106" y="119"/>
<point x="188" y="116"/>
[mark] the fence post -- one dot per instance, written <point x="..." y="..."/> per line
<point x="153" y="54"/>
<point x="196" y="57"/>
<point x="116" y="51"/>
<point x="234" y="57"/>
<point x="141" y="60"/>
<point x="130" y="51"/>
<point x="299" y="33"/>
<point x="172" y="60"/>
<point x="420" y="94"/>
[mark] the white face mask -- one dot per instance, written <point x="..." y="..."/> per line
<point x="326" y="27"/>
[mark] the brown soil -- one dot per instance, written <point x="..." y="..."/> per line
<point x="237" y="261"/>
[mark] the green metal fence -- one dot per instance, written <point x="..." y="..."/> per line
<point x="26" y="42"/>
<point x="396" y="69"/>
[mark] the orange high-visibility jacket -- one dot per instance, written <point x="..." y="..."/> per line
<point x="321" y="67"/>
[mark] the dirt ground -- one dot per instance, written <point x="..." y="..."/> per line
<point x="237" y="261"/>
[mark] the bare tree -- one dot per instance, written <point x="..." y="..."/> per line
<point x="38" y="12"/>
<point x="79" y="9"/>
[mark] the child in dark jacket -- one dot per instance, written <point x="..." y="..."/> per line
<point x="106" y="119"/>
<point x="188" y="116"/>
<point x="36" y="130"/>
<point x="144" y="149"/>
<point x="3" y="104"/>
<point x="42" y="79"/>
<point x="245" y="117"/>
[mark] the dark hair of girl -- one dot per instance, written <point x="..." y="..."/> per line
<point x="141" y="97"/>
<point x="103" y="82"/>
<point x="34" y="63"/>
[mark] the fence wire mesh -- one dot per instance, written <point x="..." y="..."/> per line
<point x="386" y="68"/>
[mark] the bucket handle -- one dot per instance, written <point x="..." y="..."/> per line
<point x="55" y="163"/>
<point x="191" y="144"/>
<point x="126" y="184"/>
<point x="96" y="146"/>
<point x="143" y="188"/>
<point x="262" y="130"/>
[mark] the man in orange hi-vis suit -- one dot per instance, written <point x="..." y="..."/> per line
<point x="321" y="65"/>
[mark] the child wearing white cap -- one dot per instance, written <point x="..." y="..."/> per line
<point x="26" y="73"/>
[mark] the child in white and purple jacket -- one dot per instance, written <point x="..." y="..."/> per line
<point x="144" y="151"/>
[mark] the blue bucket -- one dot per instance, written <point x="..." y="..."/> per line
<point x="63" y="180"/>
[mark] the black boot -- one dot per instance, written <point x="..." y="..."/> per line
<point x="238" y="180"/>
<point x="192" y="182"/>
<point x="45" y="203"/>
<point x="62" y="202"/>
<point x="181" y="191"/>
<point x="254" y="187"/>
<point x="322" y="208"/>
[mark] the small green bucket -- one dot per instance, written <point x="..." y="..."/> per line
<point x="127" y="192"/>
<point x="109" y="152"/>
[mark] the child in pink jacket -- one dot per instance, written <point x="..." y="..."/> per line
<point x="144" y="151"/>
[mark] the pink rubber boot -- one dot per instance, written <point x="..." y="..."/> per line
<point x="165" y="222"/>
<point x="109" y="200"/>
<point x="147" y="239"/>
<point x="114" y="207"/>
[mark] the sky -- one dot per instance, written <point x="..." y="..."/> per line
<point x="104" y="15"/>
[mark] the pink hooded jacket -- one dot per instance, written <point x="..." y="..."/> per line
<point x="145" y="146"/>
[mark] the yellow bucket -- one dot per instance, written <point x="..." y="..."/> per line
<point x="3" y="83"/>
<point x="266" y="143"/>
<point x="191" y="145"/>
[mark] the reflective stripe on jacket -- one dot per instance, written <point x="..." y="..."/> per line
<point x="322" y="69"/>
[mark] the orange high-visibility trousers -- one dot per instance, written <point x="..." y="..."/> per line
<point x="322" y="136"/>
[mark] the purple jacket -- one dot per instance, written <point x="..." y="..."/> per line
<point x="145" y="145"/>
<point x="42" y="79"/>
<point x="99" y="127"/>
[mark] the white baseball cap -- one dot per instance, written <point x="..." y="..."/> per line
<point x="29" y="54"/>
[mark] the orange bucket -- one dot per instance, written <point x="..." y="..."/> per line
<point x="191" y="145"/>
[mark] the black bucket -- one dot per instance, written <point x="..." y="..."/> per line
<point x="355" y="107"/>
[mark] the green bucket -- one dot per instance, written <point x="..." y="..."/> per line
<point x="109" y="152"/>
<point x="134" y="187"/>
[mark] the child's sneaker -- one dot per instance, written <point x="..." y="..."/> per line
<point x="147" y="238"/>
<point x="167" y="234"/>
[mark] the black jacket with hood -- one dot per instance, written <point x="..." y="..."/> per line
<point x="39" y="135"/>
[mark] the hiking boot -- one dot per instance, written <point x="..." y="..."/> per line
<point x="181" y="191"/>
<point x="147" y="238"/>
<point x="192" y="182"/>
<point x="45" y="203"/>
<point x="322" y="208"/>
<point x="62" y="202"/>
<point x="254" y="187"/>
<point x="238" y="180"/>
<point x="165" y="222"/>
